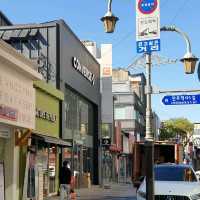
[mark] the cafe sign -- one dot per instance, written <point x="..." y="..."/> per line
<point x="83" y="70"/>
<point x="45" y="115"/>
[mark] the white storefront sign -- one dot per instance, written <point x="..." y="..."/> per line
<point x="148" y="25"/>
<point x="83" y="70"/>
<point x="17" y="98"/>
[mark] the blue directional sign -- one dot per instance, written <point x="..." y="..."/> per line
<point x="181" y="99"/>
<point x="148" y="46"/>
<point x="147" y="6"/>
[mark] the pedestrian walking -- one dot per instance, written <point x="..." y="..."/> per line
<point x="65" y="179"/>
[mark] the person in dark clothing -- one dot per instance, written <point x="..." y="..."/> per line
<point x="65" y="179"/>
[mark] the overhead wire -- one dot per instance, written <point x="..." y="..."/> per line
<point x="130" y="33"/>
<point x="125" y="37"/>
<point x="178" y="12"/>
<point x="164" y="3"/>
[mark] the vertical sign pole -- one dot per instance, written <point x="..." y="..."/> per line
<point x="149" y="143"/>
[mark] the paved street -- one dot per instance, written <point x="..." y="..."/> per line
<point x="116" y="192"/>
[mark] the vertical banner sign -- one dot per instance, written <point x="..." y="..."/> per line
<point x="147" y="25"/>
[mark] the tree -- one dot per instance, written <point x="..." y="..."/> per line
<point x="176" y="127"/>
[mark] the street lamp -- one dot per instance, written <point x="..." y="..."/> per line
<point x="189" y="61"/>
<point x="109" y="19"/>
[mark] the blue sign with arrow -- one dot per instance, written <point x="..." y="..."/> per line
<point x="181" y="99"/>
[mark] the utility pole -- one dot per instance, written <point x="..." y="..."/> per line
<point x="149" y="139"/>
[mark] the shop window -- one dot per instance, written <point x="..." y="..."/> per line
<point x="106" y="130"/>
<point x="31" y="190"/>
<point x="46" y="160"/>
<point x="52" y="169"/>
<point x="78" y="114"/>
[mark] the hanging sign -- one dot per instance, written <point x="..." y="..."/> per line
<point x="148" y="25"/>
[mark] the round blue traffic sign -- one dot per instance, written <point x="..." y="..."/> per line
<point x="147" y="6"/>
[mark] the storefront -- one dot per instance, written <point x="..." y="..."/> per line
<point x="66" y="63"/>
<point x="45" y="146"/>
<point x="17" y="111"/>
<point x="125" y="159"/>
<point x="79" y="129"/>
<point x="80" y="75"/>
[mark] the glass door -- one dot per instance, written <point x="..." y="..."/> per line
<point x="52" y="169"/>
<point x="78" y="163"/>
<point x="42" y="164"/>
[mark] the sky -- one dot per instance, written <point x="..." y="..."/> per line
<point x="83" y="17"/>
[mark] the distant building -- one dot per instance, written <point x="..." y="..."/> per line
<point x="103" y="55"/>
<point x="129" y="112"/>
<point x="130" y="103"/>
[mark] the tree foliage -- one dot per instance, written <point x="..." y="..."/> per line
<point x="173" y="128"/>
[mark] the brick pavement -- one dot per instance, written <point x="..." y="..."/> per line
<point x="116" y="192"/>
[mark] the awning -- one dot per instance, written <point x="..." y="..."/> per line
<point x="33" y="32"/>
<point x="16" y="33"/>
<point x="24" y="33"/>
<point x="7" y="35"/>
<point x="51" y="140"/>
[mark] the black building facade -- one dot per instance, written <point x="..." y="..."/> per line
<point x="65" y="62"/>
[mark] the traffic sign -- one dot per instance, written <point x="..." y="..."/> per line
<point x="148" y="46"/>
<point x="181" y="99"/>
<point x="147" y="6"/>
<point x="147" y="24"/>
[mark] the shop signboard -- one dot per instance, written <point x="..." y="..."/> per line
<point x="107" y="71"/>
<point x="2" y="184"/>
<point x="47" y="109"/>
<point x="148" y="25"/>
<point x="106" y="141"/>
<point x="84" y="71"/>
<point x="17" y="99"/>
<point x="181" y="99"/>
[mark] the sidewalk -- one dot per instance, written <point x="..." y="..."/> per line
<point x="117" y="191"/>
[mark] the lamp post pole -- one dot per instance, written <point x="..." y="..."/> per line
<point x="149" y="139"/>
<point x="189" y="61"/>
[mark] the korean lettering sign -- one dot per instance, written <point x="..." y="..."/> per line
<point x="181" y="99"/>
<point x="147" y="25"/>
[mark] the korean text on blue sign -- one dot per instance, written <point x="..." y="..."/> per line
<point x="181" y="99"/>
<point x="148" y="46"/>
